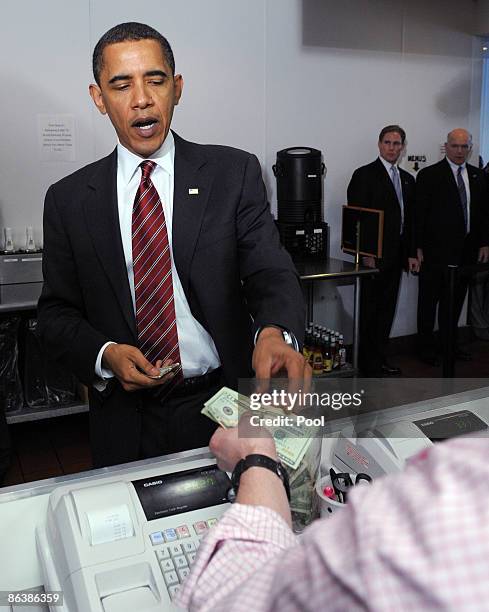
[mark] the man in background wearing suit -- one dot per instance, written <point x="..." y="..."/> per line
<point x="382" y="185"/>
<point x="163" y="252"/>
<point x="452" y="227"/>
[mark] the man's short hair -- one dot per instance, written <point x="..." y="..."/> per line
<point x="392" y="128"/>
<point x="129" y="31"/>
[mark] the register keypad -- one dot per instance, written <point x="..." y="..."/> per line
<point x="170" y="535"/>
<point x="176" y="551"/>
<point x="180" y="561"/>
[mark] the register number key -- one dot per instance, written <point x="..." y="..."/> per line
<point x="30" y="598"/>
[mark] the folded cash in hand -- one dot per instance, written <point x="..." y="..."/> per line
<point x="226" y="408"/>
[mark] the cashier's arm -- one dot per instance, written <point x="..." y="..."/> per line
<point x="258" y="486"/>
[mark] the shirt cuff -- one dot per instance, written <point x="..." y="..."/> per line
<point x="221" y="565"/>
<point x="295" y="344"/>
<point x="102" y="373"/>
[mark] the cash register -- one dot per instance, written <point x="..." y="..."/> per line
<point x="125" y="544"/>
<point x="384" y="448"/>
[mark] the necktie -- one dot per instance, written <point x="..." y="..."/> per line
<point x="463" y="195"/>
<point x="397" y="186"/>
<point x="153" y="284"/>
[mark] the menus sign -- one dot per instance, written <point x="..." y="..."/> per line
<point x="416" y="162"/>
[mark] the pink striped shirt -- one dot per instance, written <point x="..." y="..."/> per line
<point x="415" y="541"/>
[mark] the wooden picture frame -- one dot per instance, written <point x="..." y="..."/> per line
<point x="371" y="230"/>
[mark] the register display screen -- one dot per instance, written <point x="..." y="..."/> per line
<point x="451" y="425"/>
<point x="178" y="492"/>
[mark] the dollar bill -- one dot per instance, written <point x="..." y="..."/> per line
<point x="297" y="478"/>
<point x="304" y="503"/>
<point x="290" y="449"/>
<point x="226" y="408"/>
<point x="229" y="397"/>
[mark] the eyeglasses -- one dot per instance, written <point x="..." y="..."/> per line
<point x="464" y="147"/>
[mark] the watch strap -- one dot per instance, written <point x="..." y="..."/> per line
<point x="257" y="460"/>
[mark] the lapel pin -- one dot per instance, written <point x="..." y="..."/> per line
<point x="193" y="191"/>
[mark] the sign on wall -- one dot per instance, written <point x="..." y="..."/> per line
<point x="416" y="162"/>
<point x="56" y="135"/>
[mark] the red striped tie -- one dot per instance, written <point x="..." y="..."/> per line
<point x="153" y="284"/>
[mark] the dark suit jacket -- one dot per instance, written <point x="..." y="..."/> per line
<point x="439" y="217"/>
<point x="371" y="187"/>
<point x="234" y="272"/>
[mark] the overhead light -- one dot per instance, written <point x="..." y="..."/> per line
<point x="484" y="48"/>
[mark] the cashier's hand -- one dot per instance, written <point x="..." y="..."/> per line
<point x="231" y="445"/>
<point x="131" y="367"/>
<point x="258" y="486"/>
<point x="272" y="354"/>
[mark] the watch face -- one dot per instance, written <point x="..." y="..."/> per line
<point x="287" y="337"/>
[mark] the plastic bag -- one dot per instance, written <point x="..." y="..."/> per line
<point x="45" y="383"/>
<point x="11" y="397"/>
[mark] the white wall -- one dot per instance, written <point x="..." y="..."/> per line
<point x="45" y="69"/>
<point x="260" y="75"/>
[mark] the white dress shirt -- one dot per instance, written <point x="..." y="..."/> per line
<point x="465" y="177"/>
<point x="198" y="352"/>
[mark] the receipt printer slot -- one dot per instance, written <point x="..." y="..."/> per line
<point x="128" y="588"/>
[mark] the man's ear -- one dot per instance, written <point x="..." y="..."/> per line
<point x="177" y="88"/>
<point x="96" y="95"/>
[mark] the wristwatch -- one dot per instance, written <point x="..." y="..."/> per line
<point x="287" y="335"/>
<point x="263" y="461"/>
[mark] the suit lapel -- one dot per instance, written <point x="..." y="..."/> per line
<point x="384" y="176"/>
<point x="451" y="181"/>
<point x="404" y="177"/>
<point x="190" y="197"/>
<point x="103" y="222"/>
<point x="473" y="183"/>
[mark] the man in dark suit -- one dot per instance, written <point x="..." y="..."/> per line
<point x="382" y="185"/>
<point x="163" y="252"/>
<point x="452" y="227"/>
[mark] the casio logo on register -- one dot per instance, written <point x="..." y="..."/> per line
<point x="152" y="484"/>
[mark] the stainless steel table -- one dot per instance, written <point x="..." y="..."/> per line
<point x="334" y="269"/>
